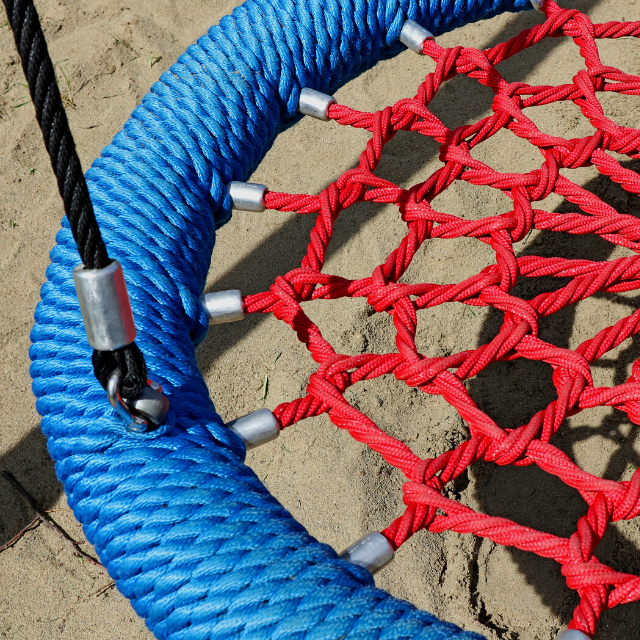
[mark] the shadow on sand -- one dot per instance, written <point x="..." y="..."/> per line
<point x="526" y="495"/>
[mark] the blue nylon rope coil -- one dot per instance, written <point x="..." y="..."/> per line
<point x="187" y="531"/>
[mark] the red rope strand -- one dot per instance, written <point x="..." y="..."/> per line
<point x="598" y="586"/>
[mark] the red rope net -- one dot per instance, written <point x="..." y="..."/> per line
<point x="598" y="586"/>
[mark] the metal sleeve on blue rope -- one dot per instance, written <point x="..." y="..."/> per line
<point x="572" y="634"/>
<point x="247" y="196"/>
<point x="372" y="552"/>
<point x="315" y="103"/>
<point x="256" y="428"/>
<point x="189" y="533"/>
<point x="105" y="307"/>
<point x="414" y="36"/>
<point x="223" y="306"/>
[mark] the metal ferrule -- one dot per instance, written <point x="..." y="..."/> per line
<point x="256" y="428"/>
<point x="537" y="5"/>
<point x="315" y="104"/>
<point x="223" y="306"/>
<point x="372" y="552"/>
<point x="414" y="36"/>
<point x="572" y="634"/>
<point x="247" y="196"/>
<point x="104" y="303"/>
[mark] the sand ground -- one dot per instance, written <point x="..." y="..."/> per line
<point x="107" y="55"/>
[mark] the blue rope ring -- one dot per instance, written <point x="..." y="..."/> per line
<point x="187" y="531"/>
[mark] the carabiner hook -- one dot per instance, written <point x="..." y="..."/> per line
<point x="134" y="423"/>
<point x="147" y="411"/>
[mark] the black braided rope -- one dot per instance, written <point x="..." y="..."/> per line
<point x="130" y="361"/>
<point x="38" y="69"/>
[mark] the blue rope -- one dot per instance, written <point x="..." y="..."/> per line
<point x="187" y="531"/>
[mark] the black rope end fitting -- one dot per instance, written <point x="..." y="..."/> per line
<point x="58" y="139"/>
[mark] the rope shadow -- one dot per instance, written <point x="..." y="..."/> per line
<point x="30" y="463"/>
<point x="528" y="495"/>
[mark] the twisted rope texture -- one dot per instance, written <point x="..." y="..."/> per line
<point x="58" y="140"/>
<point x="188" y="532"/>
<point x="599" y="587"/>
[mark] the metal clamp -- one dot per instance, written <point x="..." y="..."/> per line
<point x="247" y="196"/>
<point x="144" y="413"/>
<point x="371" y="552"/>
<point x="572" y="634"/>
<point x="104" y="303"/>
<point x="256" y="428"/>
<point x="414" y="36"/>
<point x="223" y="306"/>
<point x="315" y="104"/>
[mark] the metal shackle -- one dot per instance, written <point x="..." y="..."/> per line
<point x="223" y="306"/>
<point x="247" y="196"/>
<point x="414" y="36"/>
<point x="372" y="552"/>
<point x="572" y="634"/>
<point x="151" y="404"/>
<point x="315" y="104"/>
<point x="256" y="428"/>
<point x="143" y="413"/>
<point x="104" y="303"/>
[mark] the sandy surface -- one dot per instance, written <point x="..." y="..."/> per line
<point x="108" y="54"/>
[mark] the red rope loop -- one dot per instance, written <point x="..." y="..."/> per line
<point x="598" y="586"/>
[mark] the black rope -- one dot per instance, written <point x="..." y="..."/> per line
<point x="129" y="359"/>
<point x="58" y="140"/>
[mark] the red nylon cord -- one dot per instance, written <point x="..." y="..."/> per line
<point x="598" y="586"/>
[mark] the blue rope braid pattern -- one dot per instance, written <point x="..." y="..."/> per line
<point x="187" y="531"/>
